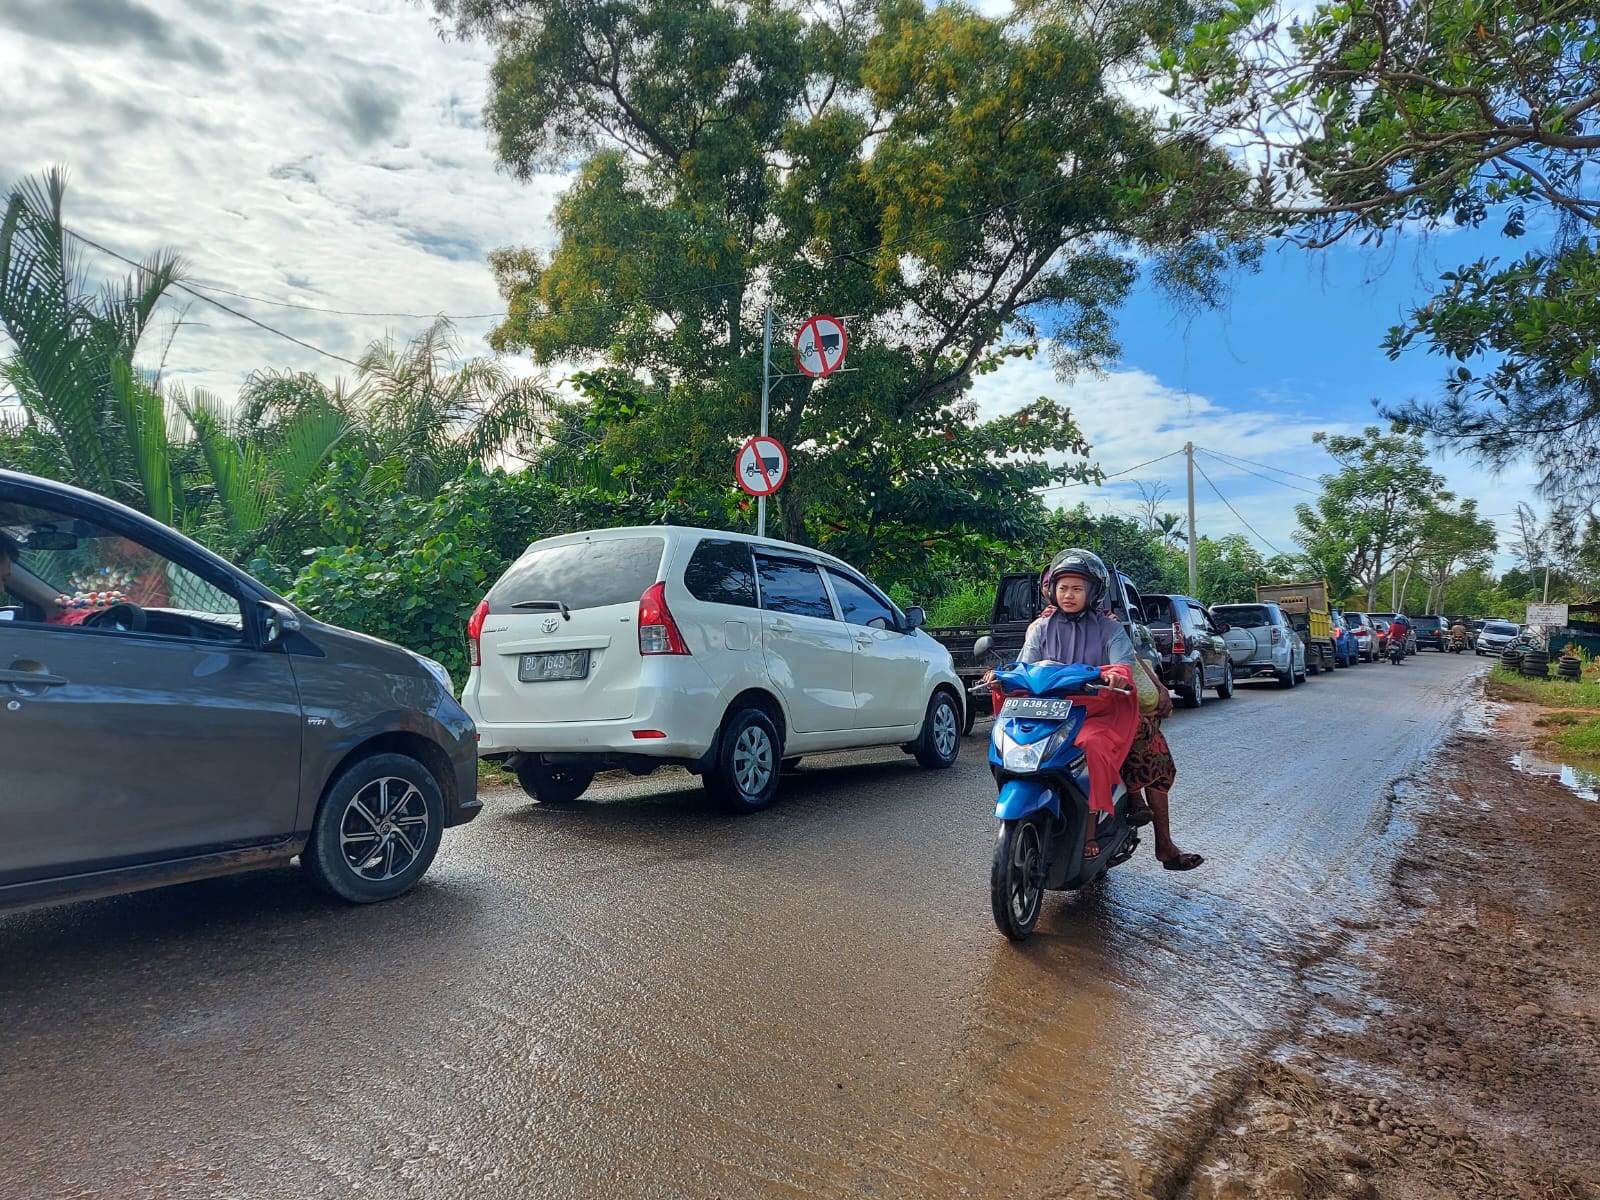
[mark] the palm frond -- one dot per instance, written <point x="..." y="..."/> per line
<point x="143" y="413"/>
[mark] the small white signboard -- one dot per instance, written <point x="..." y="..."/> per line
<point x="1548" y="616"/>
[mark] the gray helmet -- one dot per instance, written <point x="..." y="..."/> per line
<point x="1084" y="563"/>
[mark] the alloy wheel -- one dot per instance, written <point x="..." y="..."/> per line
<point x="384" y="828"/>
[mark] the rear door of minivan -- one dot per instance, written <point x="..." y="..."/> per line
<point x="561" y="640"/>
<point x="810" y="653"/>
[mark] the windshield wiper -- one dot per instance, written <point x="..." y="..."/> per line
<point x="556" y="605"/>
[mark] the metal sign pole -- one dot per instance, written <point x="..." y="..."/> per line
<point x="766" y="385"/>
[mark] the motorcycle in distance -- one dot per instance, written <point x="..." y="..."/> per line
<point x="1457" y="644"/>
<point x="1043" y="807"/>
<point x="1397" y="651"/>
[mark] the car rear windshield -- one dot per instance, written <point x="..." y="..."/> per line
<point x="1427" y="622"/>
<point x="1245" y="616"/>
<point x="581" y="574"/>
<point x="1353" y="620"/>
<point x="1157" y="610"/>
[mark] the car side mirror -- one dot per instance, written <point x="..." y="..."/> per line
<point x="915" y="618"/>
<point x="278" y="621"/>
<point x="982" y="647"/>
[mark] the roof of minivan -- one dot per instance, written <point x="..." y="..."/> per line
<point x="682" y="531"/>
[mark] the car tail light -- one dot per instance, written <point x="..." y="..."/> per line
<point x="658" y="632"/>
<point x="648" y="734"/>
<point x="1277" y="634"/>
<point x="1178" y="646"/>
<point x="475" y="631"/>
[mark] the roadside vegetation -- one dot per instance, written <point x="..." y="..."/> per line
<point x="1571" y="723"/>
<point x="972" y="190"/>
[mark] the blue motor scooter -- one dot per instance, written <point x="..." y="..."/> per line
<point x="1043" y="807"/>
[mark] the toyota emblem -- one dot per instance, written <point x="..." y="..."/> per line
<point x="551" y="624"/>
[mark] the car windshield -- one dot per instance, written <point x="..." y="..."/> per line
<point x="1501" y="627"/>
<point x="1245" y="616"/>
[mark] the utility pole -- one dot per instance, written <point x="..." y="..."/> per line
<point x="1194" y="552"/>
<point x="766" y="388"/>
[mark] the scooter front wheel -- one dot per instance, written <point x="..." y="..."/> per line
<point x="1016" y="879"/>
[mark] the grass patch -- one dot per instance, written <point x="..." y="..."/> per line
<point x="1549" y="693"/>
<point x="1581" y="739"/>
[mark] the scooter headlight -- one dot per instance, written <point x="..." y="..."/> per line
<point x="1023" y="758"/>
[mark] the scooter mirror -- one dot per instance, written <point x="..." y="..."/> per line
<point x="982" y="646"/>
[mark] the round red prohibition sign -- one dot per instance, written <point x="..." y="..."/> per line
<point x="761" y="467"/>
<point x="819" y="347"/>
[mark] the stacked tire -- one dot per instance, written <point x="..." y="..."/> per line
<point x="1536" y="664"/>
<point x="1569" y="669"/>
<point x="1511" y="660"/>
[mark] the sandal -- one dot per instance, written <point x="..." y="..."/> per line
<point x="1184" y="862"/>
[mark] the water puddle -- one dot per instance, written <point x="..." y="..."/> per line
<point x="1580" y="781"/>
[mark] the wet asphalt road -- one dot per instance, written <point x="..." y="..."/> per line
<point x="635" y="998"/>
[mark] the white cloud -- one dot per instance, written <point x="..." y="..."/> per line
<point x="325" y="154"/>
<point x="1130" y="417"/>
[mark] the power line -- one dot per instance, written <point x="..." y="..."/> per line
<point x="198" y="295"/>
<point x="341" y="312"/>
<point x="1235" y="511"/>
<point x="739" y="283"/>
<point x="1257" y="474"/>
<point x="1264" y="466"/>
<point x="1056" y="487"/>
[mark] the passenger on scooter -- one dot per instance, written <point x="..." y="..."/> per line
<point x="1073" y="629"/>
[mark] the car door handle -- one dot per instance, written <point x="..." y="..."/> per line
<point x="863" y="639"/>
<point x="782" y="627"/>
<point x="33" y="678"/>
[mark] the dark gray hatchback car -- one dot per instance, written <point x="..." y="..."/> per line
<point x="165" y="717"/>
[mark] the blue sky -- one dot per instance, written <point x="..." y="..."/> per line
<point x="330" y="153"/>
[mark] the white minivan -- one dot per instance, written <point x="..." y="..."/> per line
<point x="727" y="654"/>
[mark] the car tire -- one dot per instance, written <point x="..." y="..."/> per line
<point x="376" y="830"/>
<point x="1195" y="694"/>
<point x="552" y="785"/>
<point x="1305" y="670"/>
<point x="1225" y="688"/>
<point x="743" y="778"/>
<point x="939" y="742"/>
<point x="1286" y="679"/>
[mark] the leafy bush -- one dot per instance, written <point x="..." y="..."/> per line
<point x="412" y="570"/>
<point x="971" y="602"/>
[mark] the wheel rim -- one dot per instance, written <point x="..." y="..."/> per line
<point x="752" y="761"/>
<point x="945" y="733"/>
<point x="1025" y="878"/>
<point x="384" y="829"/>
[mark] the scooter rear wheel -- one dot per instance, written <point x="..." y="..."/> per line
<point x="1016" y="878"/>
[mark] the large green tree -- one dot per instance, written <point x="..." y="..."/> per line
<point x="956" y="187"/>
<point x="1370" y="513"/>
<point x="1368" y="117"/>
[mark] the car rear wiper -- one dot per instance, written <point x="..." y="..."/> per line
<point x="558" y="605"/>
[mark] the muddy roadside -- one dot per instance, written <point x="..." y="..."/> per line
<point x="1456" y="1051"/>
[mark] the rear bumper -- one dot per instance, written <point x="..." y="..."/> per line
<point x="675" y="699"/>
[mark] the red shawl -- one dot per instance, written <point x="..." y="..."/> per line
<point x="1110" y="723"/>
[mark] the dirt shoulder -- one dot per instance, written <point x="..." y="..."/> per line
<point x="1466" y="1063"/>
